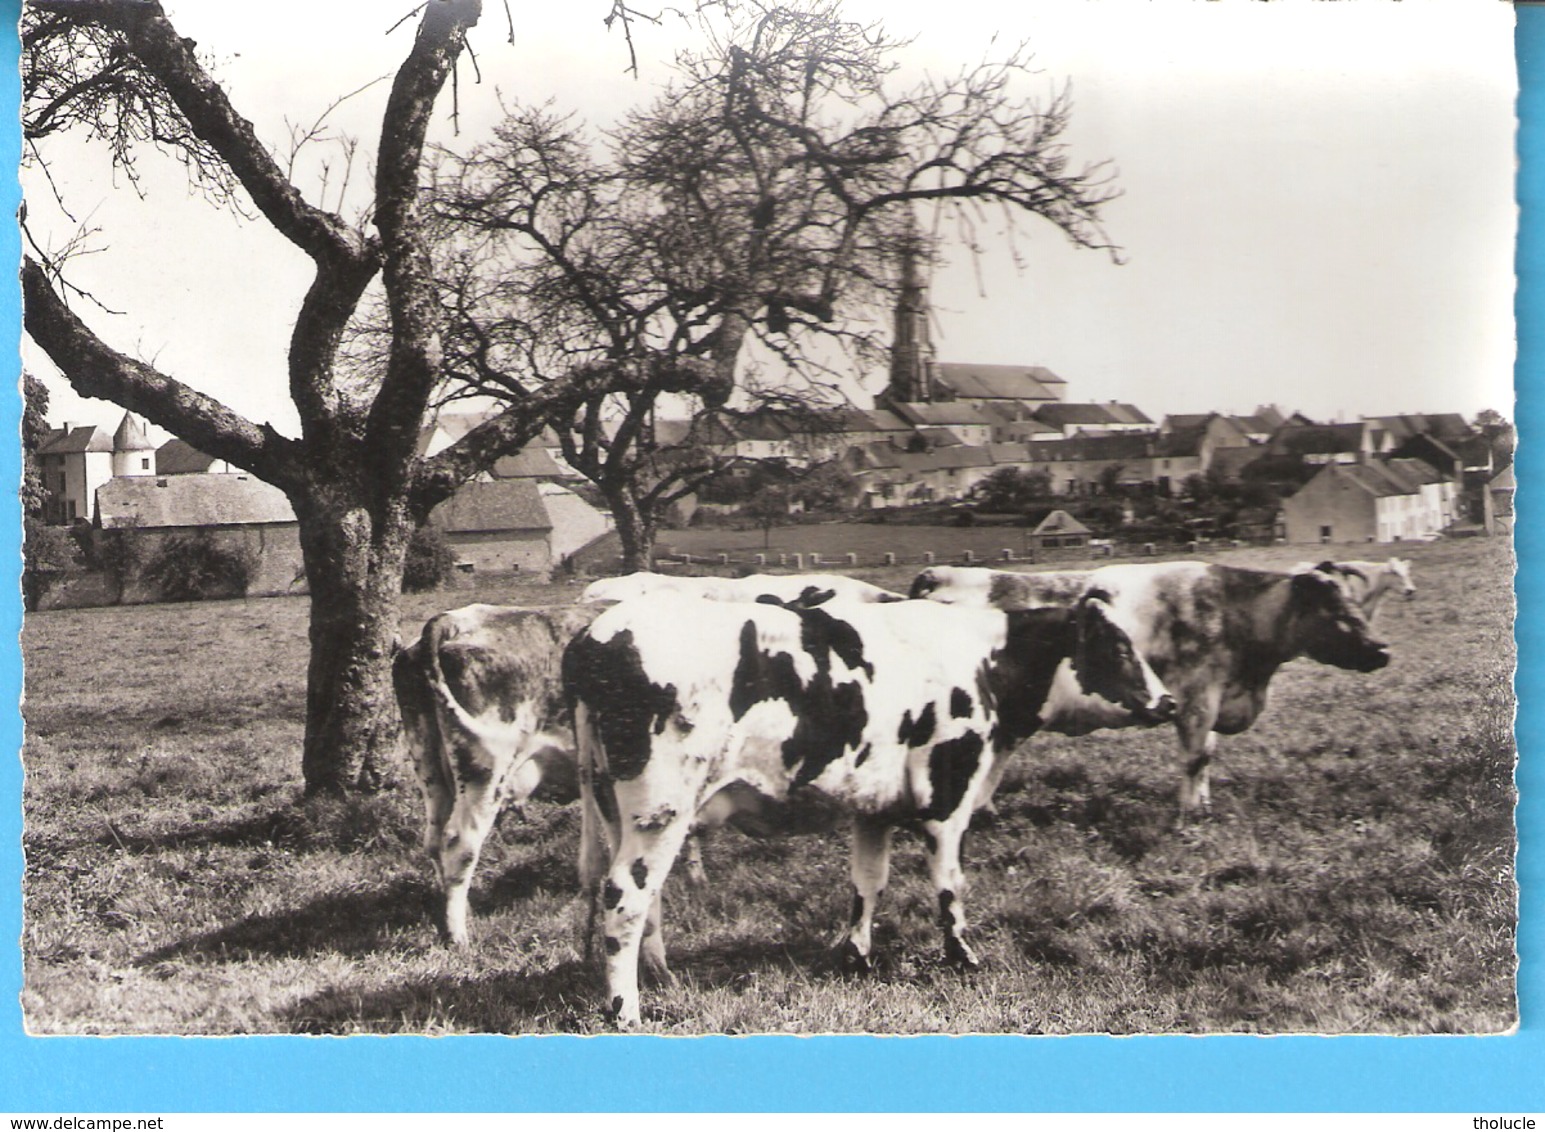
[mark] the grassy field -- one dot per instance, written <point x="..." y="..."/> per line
<point x="1357" y="874"/>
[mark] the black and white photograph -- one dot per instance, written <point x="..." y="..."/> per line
<point x="747" y="517"/>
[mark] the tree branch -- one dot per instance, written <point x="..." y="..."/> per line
<point x="96" y="370"/>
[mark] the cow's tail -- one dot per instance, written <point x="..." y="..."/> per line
<point x="518" y="737"/>
<point x="596" y="835"/>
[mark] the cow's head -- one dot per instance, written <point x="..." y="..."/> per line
<point x="953" y="585"/>
<point x="1330" y="628"/>
<point x="1108" y="665"/>
<point x="1399" y="570"/>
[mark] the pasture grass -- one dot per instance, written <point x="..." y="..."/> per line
<point x="1356" y="874"/>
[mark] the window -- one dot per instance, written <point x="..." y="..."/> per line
<point x="144" y="463"/>
<point x="1325" y="531"/>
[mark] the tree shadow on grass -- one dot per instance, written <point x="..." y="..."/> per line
<point x="564" y="999"/>
<point x="370" y="822"/>
<point x="350" y="923"/>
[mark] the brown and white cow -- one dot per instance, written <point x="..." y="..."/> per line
<point x="806" y="589"/>
<point x="1214" y="634"/>
<point x="1369" y="583"/>
<point x="894" y="712"/>
<point x="486" y="722"/>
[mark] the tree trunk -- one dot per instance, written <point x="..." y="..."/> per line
<point x="354" y="570"/>
<point x="636" y="528"/>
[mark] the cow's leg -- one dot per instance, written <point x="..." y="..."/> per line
<point x="1197" y="743"/>
<point x="871" y="870"/>
<point x="472" y="817"/>
<point x="629" y="897"/>
<point x="437" y="811"/>
<point x="942" y="840"/>
<point x="653" y="947"/>
<point x="697" y="877"/>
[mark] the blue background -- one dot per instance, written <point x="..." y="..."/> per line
<point x="1050" y="1074"/>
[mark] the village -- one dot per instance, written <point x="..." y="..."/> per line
<point x="998" y="441"/>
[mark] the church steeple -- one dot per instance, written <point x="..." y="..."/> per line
<point x="911" y="347"/>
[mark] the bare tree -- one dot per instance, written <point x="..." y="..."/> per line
<point x="119" y="72"/>
<point x="761" y="200"/>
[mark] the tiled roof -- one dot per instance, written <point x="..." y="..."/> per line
<point x="530" y="462"/>
<point x="131" y="435"/>
<point x="177" y="458"/>
<point x="1115" y="446"/>
<point x="196" y="500"/>
<point x="1303" y="440"/>
<point x="997" y="382"/>
<point x="1067" y="413"/>
<point x="503" y="505"/>
<point x="1060" y="522"/>
<point x="945" y="413"/>
<point x="81" y="438"/>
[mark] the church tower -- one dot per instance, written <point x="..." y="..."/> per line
<point x="911" y="377"/>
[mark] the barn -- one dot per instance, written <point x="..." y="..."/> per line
<point x="499" y="526"/>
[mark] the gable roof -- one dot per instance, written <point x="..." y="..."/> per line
<point x="1064" y="413"/>
<point x="500" y="505"/>
<point x="969" y="380"/>
<point x="530" y="462"/>
<point x="194" y="500"/>
<point x="1061" y="523"/>
<point x="1303" y="440"/>
<point x="943" y="413"/>
<point x="178" y="458"/>
<point x="81" y="438"/>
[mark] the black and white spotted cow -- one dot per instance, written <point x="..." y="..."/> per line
<point x="1214" y="634"/>
<point x="486" y="722"/>
<point x="806" y="589"/>
<point x="894" y="712"/>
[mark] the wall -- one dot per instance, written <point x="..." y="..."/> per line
<point x="503" y="551"/>
<point x="1330" y="500"/>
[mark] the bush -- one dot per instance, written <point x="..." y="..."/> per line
<point x="194" y="567"/>
<point x="430" y="563"/>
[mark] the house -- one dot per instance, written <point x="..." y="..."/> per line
<point x="76" y="460"/>
<point x="1093" y="418"/>
<point x="237" y="511"/>
<point x="1324" y="444"/>
<point x="498" y="525"/>
<point x="1081" y="465"/>
<point x="1361" y="503"/>
<point x="1189" y="443"/>
<point x="1059" y="529"/>
<point x="962" y="419"/>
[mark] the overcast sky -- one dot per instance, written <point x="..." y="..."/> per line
<point x="1317" y="210"/>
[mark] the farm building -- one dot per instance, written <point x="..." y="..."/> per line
<point x="498" y="526"/>
<point x="1371" y="502"/>
<point x="237" y="512"/>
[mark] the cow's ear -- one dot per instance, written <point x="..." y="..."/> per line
<point x="1327" y="567"/>
<point x="1312" y="583"/>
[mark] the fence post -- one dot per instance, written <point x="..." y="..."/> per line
<point x="783" y="560"/>
<point x="852" y="559"/>
<point x="890" y="558"/>
<point x="724" y="559"/>
<point x="1148" y="549"/>
<point x="799" y="561"/>
<point x="815" y="558"/>
<point x="686" y="560"/>
<point x="759" y="559"/>
<point x="1007" y="554"/>
<point x="1108" y="550"/>
<point x="967" y="557"/>
<point x="928" y="557"/>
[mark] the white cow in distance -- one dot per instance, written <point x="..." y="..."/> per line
<point x="1367" y="582"/>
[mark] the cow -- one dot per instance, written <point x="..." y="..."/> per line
<point x="1214" y="634"/>
<point x="486" y="723"/>
<point x="893" y="712"/>
<point x="807" y="589"/>
<point x="1368" y="582"/>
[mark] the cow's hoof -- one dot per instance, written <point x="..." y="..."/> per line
<point x="620" y="1017"/>
<point x="960" y="956"/>
<point x="852" y="961"/>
